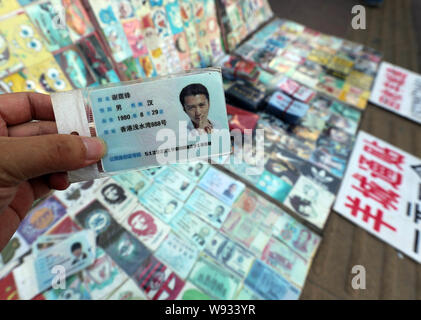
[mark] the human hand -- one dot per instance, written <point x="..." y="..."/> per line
<point x="33" y="157"/>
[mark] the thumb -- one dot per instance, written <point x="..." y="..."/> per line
<point x="29" y="157"/>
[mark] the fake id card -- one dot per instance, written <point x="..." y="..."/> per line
<point x="66" y="258"/>
<point x="146" y="124"/>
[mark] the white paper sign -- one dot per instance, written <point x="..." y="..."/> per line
<point x="381" y="193"/>
<point x="398" y="90"/>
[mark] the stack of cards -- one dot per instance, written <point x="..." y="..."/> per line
<point x="337" y="67"/>
<point x="111" y="240"/>
<point x="187" y="230"/>
<point x="246" y="96"/>
<point x="283" y="107"/>
<point x="302" y="160"/>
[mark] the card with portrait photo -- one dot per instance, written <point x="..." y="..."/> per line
<point x="160" y="202"/>
<point x="176" y="183"/>
<point x="221" y="185"/>
<point x="38" y="272"/>
<point x="156" y="133"/>
<point x="44" y="242"/>
<point x="192" y="228"/>
<point x="207" y="207"/>
<point x="135" y="181"/>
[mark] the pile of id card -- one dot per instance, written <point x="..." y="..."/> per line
<point x="182" y="231"/>
<point x="336" y="67"/>
<point x="302" y="142"/>
<point x="185" y="230"/>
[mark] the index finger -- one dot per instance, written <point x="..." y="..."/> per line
<point x="22" y="107"/>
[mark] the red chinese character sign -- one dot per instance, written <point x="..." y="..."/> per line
<point x="381" y="193"/>
<point x="398" y="90"/>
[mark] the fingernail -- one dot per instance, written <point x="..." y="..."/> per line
<point x="95" y="148"/>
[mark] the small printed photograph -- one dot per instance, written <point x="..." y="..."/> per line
<point x="195" y="101"/>
<point x="78" y="253"/>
